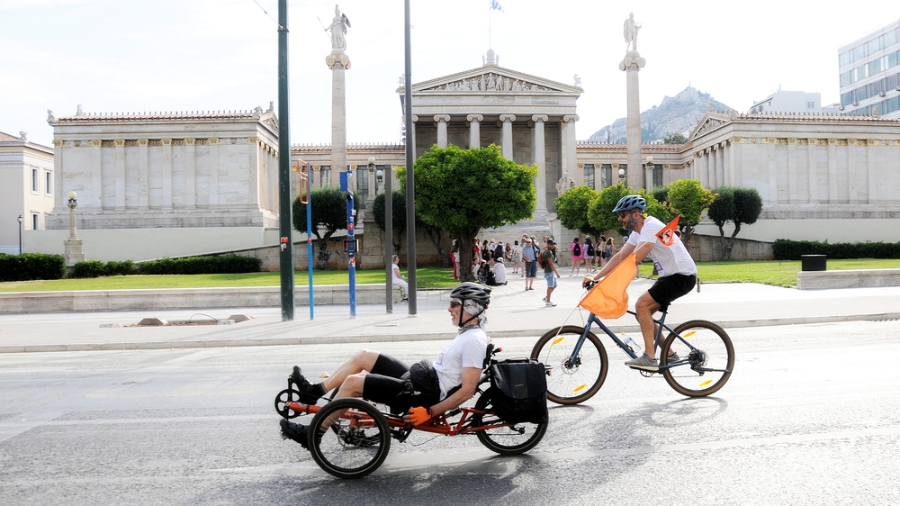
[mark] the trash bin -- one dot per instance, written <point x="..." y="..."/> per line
<point x="812" y="262"/>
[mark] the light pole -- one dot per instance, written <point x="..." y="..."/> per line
<point x="73" y="203"/>
<point x="388" y="236"/>
<point x="20" y="220"/>
<point x="74" y="252"/>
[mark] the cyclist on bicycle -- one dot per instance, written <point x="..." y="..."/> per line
<point x="676" y="268"/>
<point x="434" y="390"/>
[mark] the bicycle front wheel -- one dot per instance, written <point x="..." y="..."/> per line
<point x="705" y="358"/>
<point x="355" y="444"/>
<point x="505" y="439"/>
<point x="572" y="379"/>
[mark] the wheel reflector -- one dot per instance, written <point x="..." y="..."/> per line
<point x="580" y="388"/>
<point x="558" y="340"/>
<point x="689" y="334"/>
<point x="707" y="382"/>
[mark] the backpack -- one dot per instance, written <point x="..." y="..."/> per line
<point x="590" y="249"/>
<point x="538" y="254"/>
<point x="519" y="391"/>
<point x="576" y="251"/>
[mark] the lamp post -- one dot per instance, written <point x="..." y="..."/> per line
<point x="388" y="236"/>
<point x="74" y="247"/>
<point x="621" y="173"/>
<point x="648" y="177"/>
<point x="20" y="220"/>
<point x="73" y="203"/>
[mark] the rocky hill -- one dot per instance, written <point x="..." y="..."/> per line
<point x="680" y="113"/>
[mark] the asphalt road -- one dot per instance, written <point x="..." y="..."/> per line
<point x="810" y="416"/>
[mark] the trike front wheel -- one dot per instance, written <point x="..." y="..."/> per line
<point x="504" y="438"/>
<point x="352" y="445"/>
<point x="572" y="379"/>
<point x="705" y="358"/>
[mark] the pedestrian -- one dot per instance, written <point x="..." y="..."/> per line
<point x="550" y="272"/>
<point x="397" y="279"/>
<point x="499" y="251"/>
<point x="498" y="271"/>
<point x="486" y="251"/>
<point x="517" y="259"/>
<point x="454" y="258"/>
<point x="589" y="254"/>
<point x="529" y="254"/>
<point x="577" y="255"/>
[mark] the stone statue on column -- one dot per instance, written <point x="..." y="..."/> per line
<point x="338" y="30"/>
<point x="631" y="32"/>
<point x="565" y="183"/>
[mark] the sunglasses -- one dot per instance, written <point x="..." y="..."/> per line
<point x="455" y="303"/>
<point x="624" y="214"/>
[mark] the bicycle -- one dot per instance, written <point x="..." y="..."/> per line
<point x="358" y="442"/>
<point x="704" y="358"/>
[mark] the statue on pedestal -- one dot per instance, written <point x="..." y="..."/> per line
<point x="565" y="183"/>
<point x="631" y="32"/>
<point x="338" y="29"/>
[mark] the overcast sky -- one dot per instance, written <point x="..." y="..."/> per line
<point x="192" y="55"/>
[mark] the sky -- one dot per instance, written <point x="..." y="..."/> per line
<point x="125" y="56"/>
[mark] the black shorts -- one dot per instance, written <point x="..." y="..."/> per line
<point x="668" y="288"/>
<point x="385" y="383"/>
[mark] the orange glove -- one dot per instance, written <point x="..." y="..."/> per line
<point x="419" y="415"/>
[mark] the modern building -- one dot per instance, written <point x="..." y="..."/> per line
<point x="870" y="74"/>
<point x="788" y="102"/>
<point x="27" y="190"/>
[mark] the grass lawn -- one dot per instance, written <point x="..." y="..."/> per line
<point x="777" y="273"/>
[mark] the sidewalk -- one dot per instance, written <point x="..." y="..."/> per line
<point x="513" y="313"/>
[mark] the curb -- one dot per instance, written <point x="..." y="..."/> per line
<point x="435" y="336"/>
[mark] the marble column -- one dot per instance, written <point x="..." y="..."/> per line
<point x="338" y="63"/>
<point x="190" y="174"/>
<point x="813" y="171"/>
<point x="631" y="65"/>
<point x="442" y="120"/>
<point x="507" y="120"/>
<point x="871" y="180"/>
<point x="832" y="171"/>
<point x="97" y="173"/>
<point x="120" y="174"/>
<point x="144" y="171"/>
<point x="853" y="169"/>
<point x="569" y="155"/>
<point x="474" y="130"/>
<point x="167" y="174"/>
<point x="720" y="164"/>
<point x="539" y="157"/>
<point x="214" y="172"/>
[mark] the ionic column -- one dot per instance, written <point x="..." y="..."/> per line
<point x="720" y="164"/>
<point x="507" y="120"/>
<point x="474" y="130"/>
<point x="832" y="171"/>
<point x="569" y="156"/>
<point x="190" y="173"/>
<point x="120" y="174"/>
<point x="144" y="171"/>
<point x="813" y="182"/>
<point x="214" y="172"/>
<point x="97" y="173"/>
<point x="442" y="120"/>
<point x="539" y="158"/>
<point x="872" y="182"/>
<point x="167" y="174"/>
<point x="852" y="150"/>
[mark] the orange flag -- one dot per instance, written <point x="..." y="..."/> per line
<point x="609" y="299"/>
<point x="667" y="234"/>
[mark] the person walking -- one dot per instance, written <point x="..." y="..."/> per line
<point x="577" y="255"/>
<point x="529" y="254"/>
<point x="550" y="272"/>
<point x="517" y="259"/>
<point x="589" y="254"/>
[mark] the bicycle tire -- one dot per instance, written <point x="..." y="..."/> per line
<point x="706" y="370"/>
<point x="347" y="449"/>
<point x="571" y="383"/>
<point x="508" y="439"/>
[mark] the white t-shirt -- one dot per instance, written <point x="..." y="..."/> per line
<point x="499" y="271"/>
<point x="466" y="350"/>
<point x="668" y="260"/>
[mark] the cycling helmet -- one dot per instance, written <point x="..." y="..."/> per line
<point x="472" y="291"/>
<point x="629" y="202"/>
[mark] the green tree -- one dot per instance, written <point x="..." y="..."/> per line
<point x="572" y="209"/>
<point x="741" y="206"/>
<point x="688" y="199"/>
<point x="463" y="191"/>
<point x="398" y="216"/>
<point x="602" y="218"/>
<point x="329" y="214"/>
<point x="675" y="138"/>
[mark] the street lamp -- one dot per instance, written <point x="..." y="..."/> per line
<point x="20" y="220"/>
<point x="73" y="203"/>
<point x="621" y="173"/>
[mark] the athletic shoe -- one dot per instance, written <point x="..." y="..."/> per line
<point x="295" y="432"/>
<point x="643" y="363"/>
<point x="672" y="358"/>
<point x="308" y="392"/>
<point x="544" y="299"/>
<point x="549" y="304"/>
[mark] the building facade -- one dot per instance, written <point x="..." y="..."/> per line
<point x="870" y="74"/>
<point x="783" y="102"/>
<point x="28" y="189"/>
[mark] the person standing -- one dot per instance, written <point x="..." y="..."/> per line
<point x="550" y="272"/>
<point x="517" y="259"/>
<point x="577" y="255"/>
<point x="589" y="254"/>
<point x="529" y="254"/>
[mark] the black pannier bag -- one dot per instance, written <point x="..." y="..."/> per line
<point x="520" y="391"/>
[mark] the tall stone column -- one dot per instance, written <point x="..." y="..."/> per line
<point x="474" y="130"/>
<point x="539" y="157"/>
<point x="507" y="120"/>
<point x="569" y="155"/>
<point x="120" y="174"/>
<point x="442" y="120"/>
<point x="338" y="62"/>
<point x="631" y="65"/>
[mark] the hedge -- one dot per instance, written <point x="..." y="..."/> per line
<point x="785" y="249"/>
<point x="225" y="264"/>
<point x="28" y="266"/>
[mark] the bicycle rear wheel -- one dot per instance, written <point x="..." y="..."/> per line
<point x="355" y="444"/>
<point x="706" y="358"/>
<point x="571" y="381"/>
<point x="506" y="439"/>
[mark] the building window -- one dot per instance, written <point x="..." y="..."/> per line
<point x="362" y="181"/>
<point x="34" y="221"/>
<point x="606" y="175"/>
<point x="810" y="105"/>
<point x="657" y="176"/>
<point x="589" y="175"/>
<point x="325" y="175"/>
<point x="48" y="182"/>
<point x="35" y="185"/>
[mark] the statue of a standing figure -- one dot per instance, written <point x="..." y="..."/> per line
<point x="631" y="32"/>
<point x="338" y="29"/>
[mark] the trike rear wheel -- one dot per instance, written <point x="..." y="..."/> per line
<point x="571" y="381"/>
<point x="505" y="438"/>
<point x="706" y="358"/>
<point x="354" y="444"/>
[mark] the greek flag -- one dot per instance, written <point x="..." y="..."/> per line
<point x="495" y="5"/>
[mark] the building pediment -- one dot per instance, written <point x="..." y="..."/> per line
<point x="490" y="79"/>
<point x="712" y="121"/>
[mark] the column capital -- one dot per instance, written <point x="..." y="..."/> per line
<point x="632" y="61"/>
<point x="539" y="117"/>
<point x="442" y="117"/>
<point x="475" y="117"/>
<point x="507" y="117"/>
<point x="570" y="117"/>
<point x="334" y="59"/>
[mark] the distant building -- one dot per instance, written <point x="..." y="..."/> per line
<point x="870" y="74"/>
<point x="796" y="102"/>
<point x="26" y="170"/>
